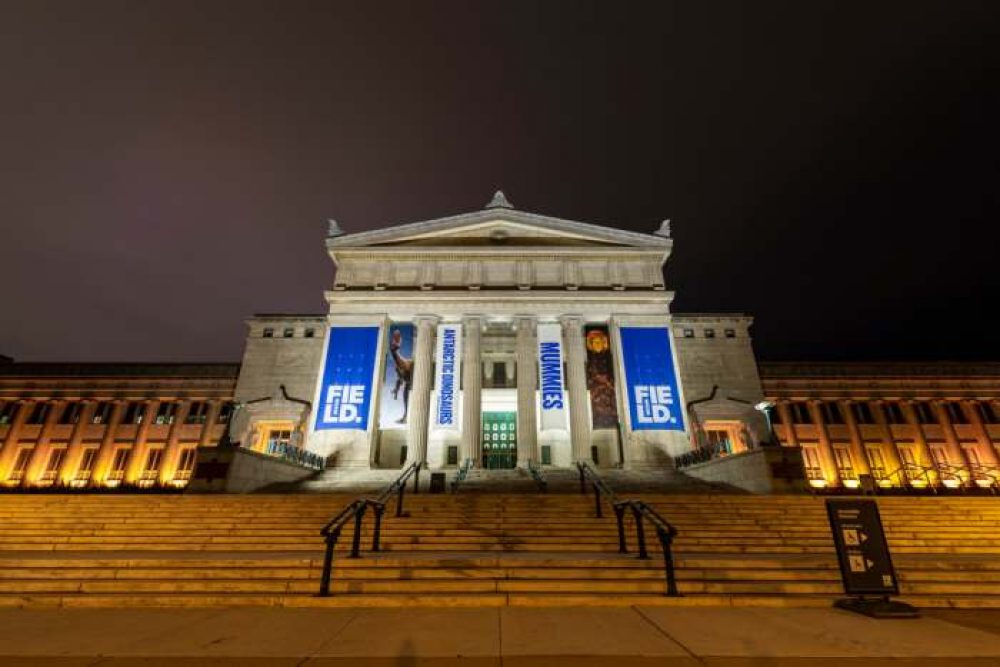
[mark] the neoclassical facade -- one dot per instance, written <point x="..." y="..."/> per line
<point x="500" y="339"/>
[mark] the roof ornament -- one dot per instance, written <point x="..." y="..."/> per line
<point x="334" y="229"/>
<point x="664" y="229"/>
<point x="499" y="201"/>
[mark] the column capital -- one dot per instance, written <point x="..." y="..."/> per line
<point x="571" y="320"/>
<point x="473" y="320"/>
<point x="426" y="319"/>
<point x="528" y="322"/>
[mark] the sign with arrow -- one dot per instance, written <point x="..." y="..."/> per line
<point x="863" y="554"/>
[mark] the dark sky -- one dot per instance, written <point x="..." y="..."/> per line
<point x="166" y="169"/>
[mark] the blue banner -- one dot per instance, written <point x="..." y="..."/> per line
<point x="650" y="379"/>
<point x="345" y="393"/>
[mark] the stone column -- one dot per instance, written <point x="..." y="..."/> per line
<point x="40" y="457"/>
<point x="828" y="460"/>
<point x="8" y="452"/>
<point x="74" y="450"/>
<point x="786" y="419"/>
<point x="107" y="449"/>
<point x="576" y="379"/>
<point x="420" y="394"/>
<point x="211" y="419"/>
<point x="956" y="455"/>
<point x="137" y="459"/>
<point x="527" y="386"/>
<point x="923" y="452"/>
<point x="171" y="450"/>
<point x="858" y="452"/>
<point x="472" y="391"/>
<point x="985" y="448"/>
<point x="893" y="462"/>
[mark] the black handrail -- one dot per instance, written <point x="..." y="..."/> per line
<point x="463" y="472"/>
<point x="536" y="474"/>
<point x="356" y="509"/>
<point x="665" y="531"/>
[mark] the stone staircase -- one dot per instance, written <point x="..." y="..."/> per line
<point x="474" y="549"/>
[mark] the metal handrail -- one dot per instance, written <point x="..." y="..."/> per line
<point x="463" y="472"/>
<point x="536" y="474"/>
<point x="665" y="531"/>
<point x="356" y="509"/>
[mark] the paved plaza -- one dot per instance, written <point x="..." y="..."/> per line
<point x="508" y="636"/>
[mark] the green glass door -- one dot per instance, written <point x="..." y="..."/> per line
<point x="499" y="440"/>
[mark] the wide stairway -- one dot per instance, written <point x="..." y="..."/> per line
<point x="473" y="550"/>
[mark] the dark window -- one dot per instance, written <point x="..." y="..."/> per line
<point x="402" y="455"/>
<point x="186" y="464"/>
<point x="862" y="413"/>
<point x="894" y="413"/>
<point x="7" y="412"/>
<point x="452" y="455"/>
<point x="499" y="374"/>
<point x="118" y="465"/>
<point x="39" y="413"/>
<point x="709" y="333"/>
<point x="309" y="333"/>
<point x="20" y="463"/>
<point x="546" y="455"/>
<point x="730" y="333"/>
<point x="689" y="333"/>
<point x="831" y="412"/>
<point x="288" y="332"/>
<point x="955" y="412"/>
<point x="774" y="415"/>
<point x="166" y="413"/>
<point x="268" y="332"/>
<point x="197" y="413"/>
<point x="799" y="412"/>
<point x="133" y="413"/>
<point x="987" y="412"/>
<point x="54" y="463"/>
<point x="102" y="413"/>
<point x="924" y="413"/>
<point x="225" y="413"/>
<point x="71" y="413"/>
<point x="87" y="460"/>
<point x="153" y="461"/>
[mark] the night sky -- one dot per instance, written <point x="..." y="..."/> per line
<point x="167" y="169"/>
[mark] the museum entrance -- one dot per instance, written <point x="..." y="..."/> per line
<point x="499" y="440"/>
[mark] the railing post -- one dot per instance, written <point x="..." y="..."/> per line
<point x="620" y="518"/>
<point x="597" y="501"/>
<point x="379" y="509"/>
<point x="324" y="582"/>
<point x="399" y="500"/>
<point x="640" y="532"/>
<point x="359" y="516"/>
<point x="416" y="479"/>
<point x="583" y="481"/>
<point x="668" y="561"/>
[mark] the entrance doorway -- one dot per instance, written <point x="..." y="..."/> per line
<point x="499" y="440"/>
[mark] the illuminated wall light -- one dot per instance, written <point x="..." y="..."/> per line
<point x="951" y="483"/>
<point x="984" y="483"/>
<point x="817" y="483"/>
<point x="852" y="483"/>
<point x="885" y="483"/>
<point x="918" y="483"/>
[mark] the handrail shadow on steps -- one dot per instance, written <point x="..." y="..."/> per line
<point x="641" y="512"/>
<point x="356" y="509"/>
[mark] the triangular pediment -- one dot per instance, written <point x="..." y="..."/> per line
<point x="498" y="227"/>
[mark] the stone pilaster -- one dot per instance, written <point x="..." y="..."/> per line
<point x="984" y="445"/>
<point x="890" y="453"/>
<point x="831" y="471"/>
<point x="40" y="457"/>
<point x="527" y="386"/>
<point x="472" y="391"/>
<point x="923" y="452"/>
<point x="140" y="448"/>
<point x="8" y="452"/>
<point x="74" y="450"/>
<point x="576" y="379"/>
<point x="172" y="450"/>
<point x="107" y="449"/>
<point x="858" y="453"/>
<point x="420" y="395"/>
<point x="956" y="455"/>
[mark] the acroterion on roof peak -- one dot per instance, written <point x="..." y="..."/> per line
<point x="499" y="201"/>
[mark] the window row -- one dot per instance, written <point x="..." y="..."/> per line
<point x="116" y="472"/>
<point x="833" y="412"/>
<point x="289" y="332"/>
<point x="710" y="333"/>
<point x="133" y="412"/>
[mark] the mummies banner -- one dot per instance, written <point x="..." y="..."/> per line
<point x="651" y="380"/>
<point x="550" y="375"/>
<point x="345" y="390"/>
<point x="449" y="352"/>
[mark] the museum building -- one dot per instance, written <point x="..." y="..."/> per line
<point x="502" y="339"/>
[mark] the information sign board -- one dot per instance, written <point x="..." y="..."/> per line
<point x="863" y="554"/>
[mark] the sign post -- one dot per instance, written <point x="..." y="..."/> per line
<point x="865" y="563"/>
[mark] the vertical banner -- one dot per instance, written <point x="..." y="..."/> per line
<point x="346" y="383"/>
<point x="601" y="377"/>
<point x="550" y="374"/>
<point x="394" y="402"/>
<point x="651" y="381"/>
<point x="449" y="352"/>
